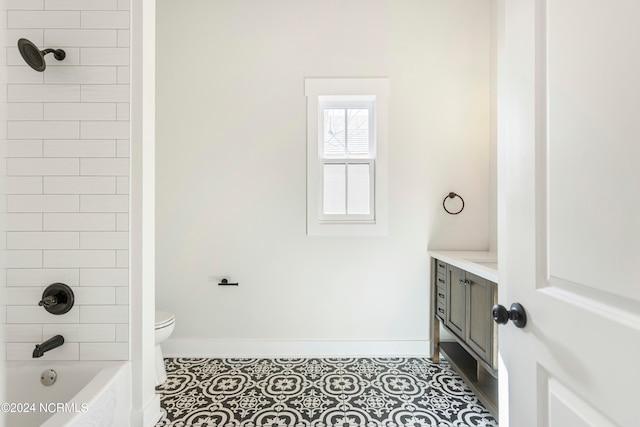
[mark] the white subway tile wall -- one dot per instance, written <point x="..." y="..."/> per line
<point x="67" y="178"/>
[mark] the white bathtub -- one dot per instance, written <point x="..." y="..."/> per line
<point x="85" y="394"/>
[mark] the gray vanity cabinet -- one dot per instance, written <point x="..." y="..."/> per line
<point x="462" y="303"/>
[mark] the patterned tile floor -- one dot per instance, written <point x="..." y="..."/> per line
<point x="389" y="392"/>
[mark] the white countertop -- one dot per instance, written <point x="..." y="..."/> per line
<point x="481" y="263"/>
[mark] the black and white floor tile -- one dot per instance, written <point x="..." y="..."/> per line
<point x="376" y="392"/>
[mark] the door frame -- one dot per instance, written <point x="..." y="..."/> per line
<point x="498" y="101"/>
<point x="145" y="404"/>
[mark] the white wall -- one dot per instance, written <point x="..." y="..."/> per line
<point x="231" y="170"/>
<point x="67" y="183"/>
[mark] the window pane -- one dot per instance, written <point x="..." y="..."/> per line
<point x="358" y="132"/>
<point x="334" y="132"/>
<point x="334" y="201"/>
<point x="358" y="182"/>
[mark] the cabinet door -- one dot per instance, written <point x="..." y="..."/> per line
<point x="456" y="300"/>
<point x="480" y="326"/>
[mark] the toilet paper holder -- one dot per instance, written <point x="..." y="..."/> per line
<point x="225" y="282"/>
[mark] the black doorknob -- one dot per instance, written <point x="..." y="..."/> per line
<point x="516" y="314"/>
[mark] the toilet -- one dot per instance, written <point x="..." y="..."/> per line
<point x="165" y="322"/>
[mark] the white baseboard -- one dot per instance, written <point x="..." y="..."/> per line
<point x="274" y="349"/>
<point x="152" y="412"/>
<point x="149" y="415"/>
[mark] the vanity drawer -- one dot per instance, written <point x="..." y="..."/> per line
<point x="441" y="267"/>
<point x="440" y="287"/>
<point x="441" y="280"/>
<point x="440" y="301"/>
<point x="440" y="309"/>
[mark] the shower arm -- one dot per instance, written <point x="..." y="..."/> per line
<point x="59" y="54"/>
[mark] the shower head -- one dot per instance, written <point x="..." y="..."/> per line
<point x="34" y="57"/>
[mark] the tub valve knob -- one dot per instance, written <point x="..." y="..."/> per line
<point x="48" y="301"/>
<point x="57" y="298"/>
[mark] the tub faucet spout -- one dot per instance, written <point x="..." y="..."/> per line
<point x="49" y="344"/>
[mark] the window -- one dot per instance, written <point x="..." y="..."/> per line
<point x="346" y="163"/>
<point x="347" y="159"/>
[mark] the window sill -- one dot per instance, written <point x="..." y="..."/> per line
<point x="346" y="229"/>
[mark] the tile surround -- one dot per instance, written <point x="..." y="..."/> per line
<point x="41" y="92"/>
<point x="66" y="177"/>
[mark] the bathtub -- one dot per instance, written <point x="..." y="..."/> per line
<point x="85" y="394"/>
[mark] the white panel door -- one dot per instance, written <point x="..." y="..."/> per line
<point x="569" y="211"/>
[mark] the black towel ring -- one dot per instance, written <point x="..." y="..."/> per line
<point x="451" y="196"/>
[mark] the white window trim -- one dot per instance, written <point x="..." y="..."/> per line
<point x="367" y="89"/>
